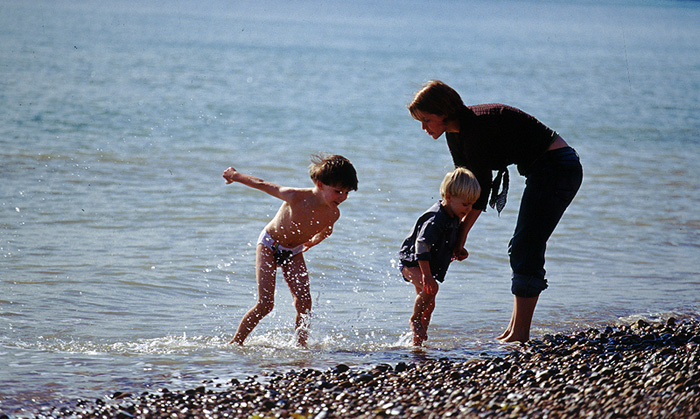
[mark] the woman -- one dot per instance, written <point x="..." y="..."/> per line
<point x="484" y="138"/>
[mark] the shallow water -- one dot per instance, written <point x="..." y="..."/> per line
<point x="127" y="263"/>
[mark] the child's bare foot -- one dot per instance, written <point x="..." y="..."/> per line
<point x="420" y="332"/>
<point x="236" y="340"/>
<point x="420" y="335"/>
<point x="302" y="335"/>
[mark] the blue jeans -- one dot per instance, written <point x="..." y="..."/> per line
<point x="550" y="186"/>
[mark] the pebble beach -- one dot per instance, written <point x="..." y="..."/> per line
<point x="642" y="369"/>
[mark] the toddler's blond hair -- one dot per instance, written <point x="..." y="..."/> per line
<point x="461" y="183"/>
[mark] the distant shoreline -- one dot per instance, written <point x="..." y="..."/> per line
<point x="643" y="370"/>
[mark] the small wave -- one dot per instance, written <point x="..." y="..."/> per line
<point x="157" y="346"/>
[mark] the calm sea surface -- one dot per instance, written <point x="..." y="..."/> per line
<point x="126" y="263"/>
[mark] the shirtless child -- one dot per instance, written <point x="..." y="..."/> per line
<point x="305" y="218"/>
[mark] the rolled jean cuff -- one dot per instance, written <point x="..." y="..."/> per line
<point x="527" y="286"/>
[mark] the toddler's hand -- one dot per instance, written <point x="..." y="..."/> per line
<point x="460" y="254"/>
<point x="229" y="175"/>
<point x="430" y="286"/>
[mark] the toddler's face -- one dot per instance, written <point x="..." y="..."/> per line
<point x="457" y="207"/>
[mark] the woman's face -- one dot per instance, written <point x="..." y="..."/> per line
<point x="433" y="124"/>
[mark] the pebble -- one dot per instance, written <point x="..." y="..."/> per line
<point x="645" y="369"/>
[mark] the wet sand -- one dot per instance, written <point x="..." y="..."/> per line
<point x="641" y="370"/>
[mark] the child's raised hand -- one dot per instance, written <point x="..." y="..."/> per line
<point x="229" y="175"/>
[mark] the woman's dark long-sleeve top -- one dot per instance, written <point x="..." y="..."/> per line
<point x="493" y="136"/>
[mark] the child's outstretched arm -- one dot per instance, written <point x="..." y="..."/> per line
<point x="282" y="192"/>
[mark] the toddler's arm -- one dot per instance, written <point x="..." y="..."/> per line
<point x="460" y="253"/>
<point x="430" y="285"/>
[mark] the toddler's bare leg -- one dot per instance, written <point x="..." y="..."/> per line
<point x="416" y="323"/>
<point x="428" y="312"/>
<point x="418" y="327"/>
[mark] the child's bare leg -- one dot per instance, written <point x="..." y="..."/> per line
<point x="413" y="274"/>
<point x="266" y="269"/>
<point x="297" y="278"/>
<point x="419" y="327"/>
<point x="523" y="309"/>
<point x="422" y="313"/>
<point x="428" y="312"/>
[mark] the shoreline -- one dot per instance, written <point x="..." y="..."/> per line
<point x="638" y="370"/>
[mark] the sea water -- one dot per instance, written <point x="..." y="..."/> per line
<point x="126" y="263"/>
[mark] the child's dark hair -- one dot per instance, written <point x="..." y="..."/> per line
<point x="333" y="170"/>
